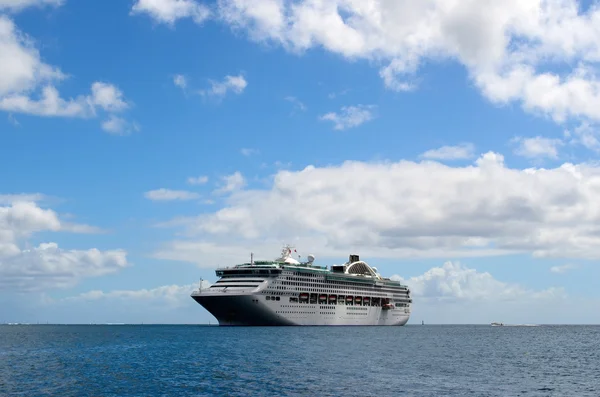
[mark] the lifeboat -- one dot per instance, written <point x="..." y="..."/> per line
<point x="332" y="297"/>
<point x="322" y="297"/>
<point x="366" y="299"/>
<point x="358" y="299"/>
<point x="348" y="299"/>
<point x="387" y="306"/>
<point x="304" y="296"/>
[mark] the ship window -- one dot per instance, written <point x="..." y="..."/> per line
<point x="268" y="297"/>
<point x="277" y="298"/>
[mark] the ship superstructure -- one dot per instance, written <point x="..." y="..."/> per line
<point x="286" y="291"/>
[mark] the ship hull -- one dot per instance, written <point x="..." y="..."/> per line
<point x="254" y="310"/>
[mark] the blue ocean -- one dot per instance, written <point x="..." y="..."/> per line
<point x="187" y="360"/>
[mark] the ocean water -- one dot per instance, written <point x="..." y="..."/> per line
<point x="146" y="360"/>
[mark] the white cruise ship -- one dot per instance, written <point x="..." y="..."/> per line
<point x="286" y="291"/>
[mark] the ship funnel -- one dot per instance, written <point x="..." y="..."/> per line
<point x="353" y="258"/>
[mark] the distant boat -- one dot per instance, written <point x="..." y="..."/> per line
<point x="497" y="324"/>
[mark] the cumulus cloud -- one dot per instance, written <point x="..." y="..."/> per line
<point x="459" y="152"/>
<point x="28" y="85"/>
<point x="543" y="55"/>
<point x="412" y="209"/>
<point x="170" y="195"/>
<point x="21" y="67"/>
<point x="457" y="294"/>
<point x="18" y="5"/>
<point x="180" y="81"/>
<point x="169" y="11"/>
<point x="46" y="266"/>
<point x="197" y="180"/>
<point x="173" y="295"/>
<point x="118" y="126"/>
<point x="298" y="105"/>
<point x="538" y="147"/>
<point x="586" y="135"/>
<point x="564" y="268"/>
<point x="103" y="95"/>
<point x="235" y="84"/>
<point x="108" y="97"/>
<point x="514" y="51"/>
<point x="26" y="197"/>
<point x="49" y="104"/>
<point x="454" y="281"/>
<point x="350" y="116"/>
<point x="231" y="183"/>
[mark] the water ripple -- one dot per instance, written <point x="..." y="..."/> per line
<point x="322" y="361"/>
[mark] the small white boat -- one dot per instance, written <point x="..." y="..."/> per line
<point x="497" y="324"/>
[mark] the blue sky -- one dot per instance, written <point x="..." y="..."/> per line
<point x="146" y="142"/>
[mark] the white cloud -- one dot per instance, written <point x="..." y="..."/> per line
<point x="454" y="281"/>
<point x="170" y="195"/>
<point x="459" y="152"/>
<point x="563" y="268"/>
<point x="508" y="48"/>
<point x="118" y="126"/>
<point x="236" y="84"/>
<point x="198" y="180"/>
<point x="21" y="67"/>
<point x="172" y="295"/>
<point x="13" y="120"/>
<point x="584" y="134"/>
<point x="350" y="116"/>
<point x="18" y="5"/>
<point x="409" y="209"/>
<point x="180" y="81"/>
<point x="49" y="104"/>
<point x="333" y="95"/>
<point x="27" y="84"/>
<point x="538" y="147"/>
<point x="298" y="105"/>
<point x="248" y="151"/>
<point x="104" y="96"/>
<point x="12" y="198"/>
<point x="45" y="266"/>
<point x="108" y="97"/>
<point x="169" y="11"/>
<point x="48" y="266"/>
<point x="232" y="183"/>
<point x="456" y="294"/>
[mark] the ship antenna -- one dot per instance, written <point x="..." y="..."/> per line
<point x="200" y="286"/>
<point x="252" y="258"/>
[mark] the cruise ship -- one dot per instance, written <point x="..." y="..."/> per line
<point x="286" y="291"/>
